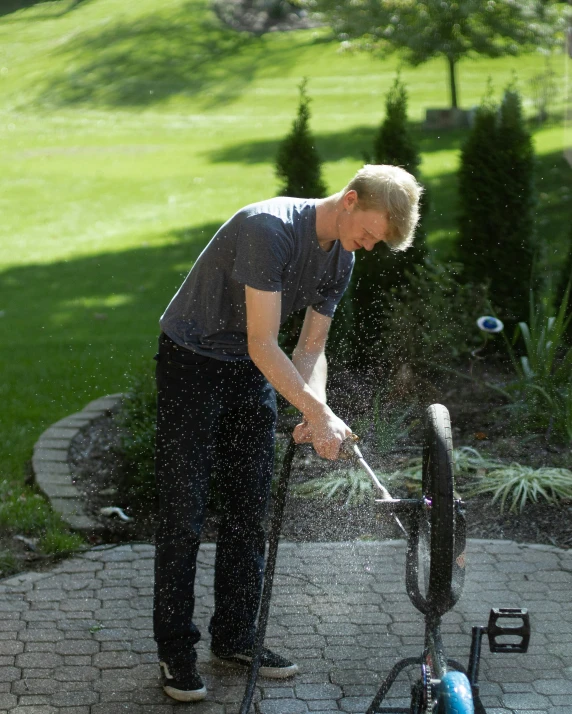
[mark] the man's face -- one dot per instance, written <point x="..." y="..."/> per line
<point x="361" y="229"/>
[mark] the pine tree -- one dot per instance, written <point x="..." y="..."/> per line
<point x="497" y="202"/>
<point x="379" y="275"/>
<point x="298" y="164"/>
<point x="393" y="143"/>
<point x="299" y="168"/>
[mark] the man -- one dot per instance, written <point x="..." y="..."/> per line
<point x="219" y="364"/>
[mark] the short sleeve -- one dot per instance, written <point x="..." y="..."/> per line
<point x="263" y="250"/>
<point x="331" y="294"/>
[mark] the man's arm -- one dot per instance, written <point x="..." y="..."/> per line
<point x="309" y="357"/>
<point x="263" y="323"/>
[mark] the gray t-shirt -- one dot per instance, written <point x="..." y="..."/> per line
<point x="271" y="245"/>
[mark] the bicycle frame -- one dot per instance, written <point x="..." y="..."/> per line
<point x="435" y="664"/>
<point x="433" y="661"/>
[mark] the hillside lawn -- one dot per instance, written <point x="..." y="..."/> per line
<point x="130" y="134"/>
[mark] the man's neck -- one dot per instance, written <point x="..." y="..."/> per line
<point x="327" y="210"/>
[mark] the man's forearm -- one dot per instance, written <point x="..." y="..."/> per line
<point x="284" y="376"/>
<point x="313" y="368"/>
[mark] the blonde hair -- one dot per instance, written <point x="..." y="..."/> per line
<point x="382" y="187"/>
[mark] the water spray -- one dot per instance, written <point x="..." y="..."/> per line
<point x="349" y="450"/>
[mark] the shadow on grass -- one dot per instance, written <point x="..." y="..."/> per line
<point x="74" y="330"/>
<point x="110" y="295"/>
<point x="151" y="59"/>
<point x="353" y="143"/>
<point x="8" y="7"/>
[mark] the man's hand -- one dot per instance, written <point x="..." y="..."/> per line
<point x="325" y="431"/>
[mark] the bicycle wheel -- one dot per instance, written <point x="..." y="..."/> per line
<point x="437" y="525"/>
<point x="455" y="695"/>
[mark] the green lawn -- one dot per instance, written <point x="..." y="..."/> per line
<point x="131" y="133"/>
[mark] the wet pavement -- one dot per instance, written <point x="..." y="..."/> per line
<point x="78" y="639"/>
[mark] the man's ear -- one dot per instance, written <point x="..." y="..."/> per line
<point x="350" y="200"/>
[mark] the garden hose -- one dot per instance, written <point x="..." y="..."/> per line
<point x="273" y="538"/>
<point x="348" y="449"/>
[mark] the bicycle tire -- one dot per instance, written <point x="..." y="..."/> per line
<point x="437" y="526"/>
<point x="455" y="695"/>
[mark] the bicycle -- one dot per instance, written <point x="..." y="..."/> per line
<point x="435" y="572"/>
<point x="434" y="578"/>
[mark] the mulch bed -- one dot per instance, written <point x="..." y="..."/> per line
<point x="96" y="467"/>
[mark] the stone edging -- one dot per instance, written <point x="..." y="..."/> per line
<point x="50" y="464"/>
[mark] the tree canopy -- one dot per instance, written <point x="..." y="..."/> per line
<point x="442" y="28"/>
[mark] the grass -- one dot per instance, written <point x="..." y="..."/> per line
<point x="132" y="130"/>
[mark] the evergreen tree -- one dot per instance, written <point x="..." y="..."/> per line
<point x="299" y="168"/>
<point x="298" y="164"/>
<point x="379" y="275"/>
<point x="497" y="203"/>
<point x="393" y="143"/>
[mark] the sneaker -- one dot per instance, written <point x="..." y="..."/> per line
<point x="181" y="681"/>
<point x="272" y="665"/>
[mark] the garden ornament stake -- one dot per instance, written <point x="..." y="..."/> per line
<point x="349" y="450"/>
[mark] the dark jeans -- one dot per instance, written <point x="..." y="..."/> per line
<point x="213" y="417"/>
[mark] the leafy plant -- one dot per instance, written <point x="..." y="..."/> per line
<point x="432" y="320"/>
<point x="466" y="461"/>
<point x="137" y="420"/>
<point x="352" y="484"/>
<point x="523" y="484"/>
<point x="541" y="394"/>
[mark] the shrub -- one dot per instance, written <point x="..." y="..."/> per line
<point x="379" y="272"/>
<point x="354" y="485"/>
<point x="137" y="419"/>
<point x="523" y="485"/>
<point x="431" y="319"/>
<point x="298" y="164"/>
<point x="393" y="143"/>
<point x="497" y="205"/>
<point x="541" y="394"/>
<point x="299" y="168"/>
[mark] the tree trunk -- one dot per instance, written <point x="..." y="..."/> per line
<point x="452" y="82"/>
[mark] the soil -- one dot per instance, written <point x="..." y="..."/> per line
<point x="476" y="422"/>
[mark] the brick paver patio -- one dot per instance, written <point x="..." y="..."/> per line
<point x="78" y="639"/>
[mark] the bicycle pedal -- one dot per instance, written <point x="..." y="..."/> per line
<point x="518" y="630"/>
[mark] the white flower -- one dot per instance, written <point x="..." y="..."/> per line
<point x="487" y="323"/>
